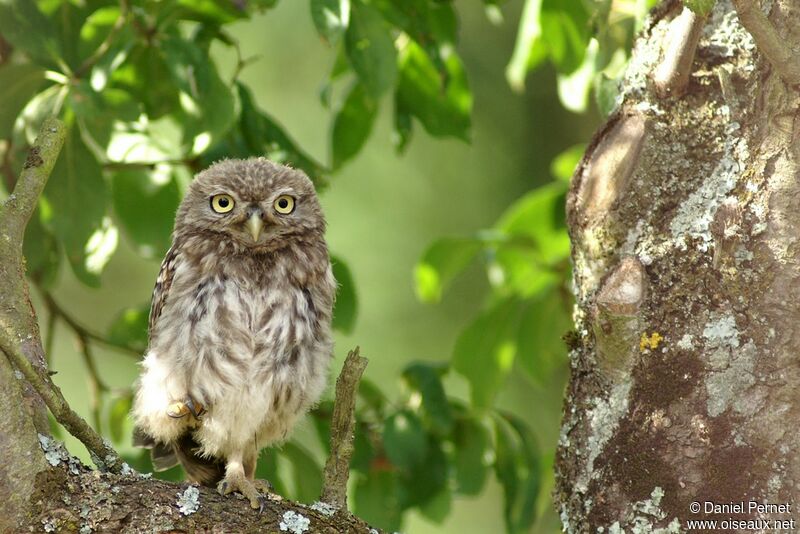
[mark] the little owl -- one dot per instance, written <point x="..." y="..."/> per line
<point x="240" y="337"/>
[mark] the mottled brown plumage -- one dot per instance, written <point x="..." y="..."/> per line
<point x="239" y="323"/>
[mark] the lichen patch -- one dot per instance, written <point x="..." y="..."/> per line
<point x="294" y="522"/>
<point x="189" y="500"/>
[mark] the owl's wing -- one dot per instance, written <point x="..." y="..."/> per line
<point x="163" y="283"/>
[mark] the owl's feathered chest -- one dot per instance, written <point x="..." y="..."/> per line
<point x="239" y="321"/>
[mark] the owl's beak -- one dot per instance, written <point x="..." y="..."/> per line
<point x="255" y="225"/>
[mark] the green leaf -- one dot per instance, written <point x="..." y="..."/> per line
<point x="574" y="87"/>
<point x="403" y="127"/>
<point x="430" y="24"/>
<point x="129" y="328"/>
<point x="437" y="508"/>
<point x="701" y="7"/>
<point x="540" y="349"/>
<point x="145" y="203"/>
<point x="210" y="11"/>
<point x="97" y="28"/>
<point x="518" y="269"/>
<point x="104" y="115"/>
<point x="423" y="482"/>
<point x="564" y="165"/>
<point x="19" y="82"/>
<point x="363" y="450"/>
<point x="207" y="102"/>
<point x="146" y="75"/>
<point x="306" y="473"/>
<point x="517" y="470"/>
<point x="372" y="395"/>
<point x="352" y="124"/>
<point x="529" y="49"/>
<point x="118" y="415"/>
<point x="471" y="441"/>
<point x="78" y="196"/>
<point x="346" y="308"/>
<point x="267" y="469"/>
<point x="370" y="49"/>
<point x="565" y="29"/>
<point x="67" y="19"/>
<point x="376" y="499"/>
<point x="40" y="248"/>
<point x="606" y="94"/>
<point x="484" y="352"/>
<point x="531" y="256"/>
<point x="41" y="106"/>
<point x="539" y="217"/>
<point x="263" y="136"/>
<point x="441" y="100"/>
<point x="404" y="440"/>
<point x="441" y="263"/>
<point x="425" y="380"/>
<point x="331" y="18"/>
<point x="23" y="25"/>
<point x="144" y="141"/>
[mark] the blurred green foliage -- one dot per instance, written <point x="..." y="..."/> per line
<point x="147" y="106"/>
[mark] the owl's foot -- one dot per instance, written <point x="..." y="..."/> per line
<point x="179" y="409"/>
<point x="238" y="482"/>
<point x="264" y="487"/>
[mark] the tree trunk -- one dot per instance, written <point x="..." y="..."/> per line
<point x="684" y="216"/>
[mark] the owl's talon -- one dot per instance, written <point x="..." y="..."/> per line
<point x="262" y="503"/>
<point x="238" y="482"/>
<point x="176" y="410"/>
<point x="180" y="409"/>
<point x="196" y="408"/>
<point x="263" y="486"/>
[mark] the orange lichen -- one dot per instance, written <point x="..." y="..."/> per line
<point x="649" y="342"/>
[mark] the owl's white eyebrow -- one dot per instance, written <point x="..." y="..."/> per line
<point x="290" y="192"/>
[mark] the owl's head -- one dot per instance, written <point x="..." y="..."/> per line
<point x="256" y="203"/>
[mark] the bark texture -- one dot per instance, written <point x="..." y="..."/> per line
<point x="684" y="216"/>
<point x="72" y="498"/>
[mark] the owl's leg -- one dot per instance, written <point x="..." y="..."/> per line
<point x="237" y="480"/>
<point x="153" y="399"/>
<point x="250" y="462"/>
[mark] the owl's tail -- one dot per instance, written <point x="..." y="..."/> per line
<point x="205" y="471"/>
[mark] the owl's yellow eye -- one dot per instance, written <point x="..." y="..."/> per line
<point x="284" y="204"/>
<point x="222" y="203"/>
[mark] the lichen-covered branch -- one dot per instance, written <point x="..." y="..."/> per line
<point x="103" y="455"/>
<point x="779" y="52"/>
<point x="337" y="468"/>
<point x="24" y="412"/>
<point x="72" y="498"/>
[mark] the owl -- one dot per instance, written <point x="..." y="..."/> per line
<point x="240" y="324"/>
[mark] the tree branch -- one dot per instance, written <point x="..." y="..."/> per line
<point x="18" y="208"/>
<point x="81" y="331"/>
<point x="769" y="43"/>
<point x="672" y="75"/>
<point x="337" y="468"/>
<point x="102" y="454"/>
<point x="69" y="497"/>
